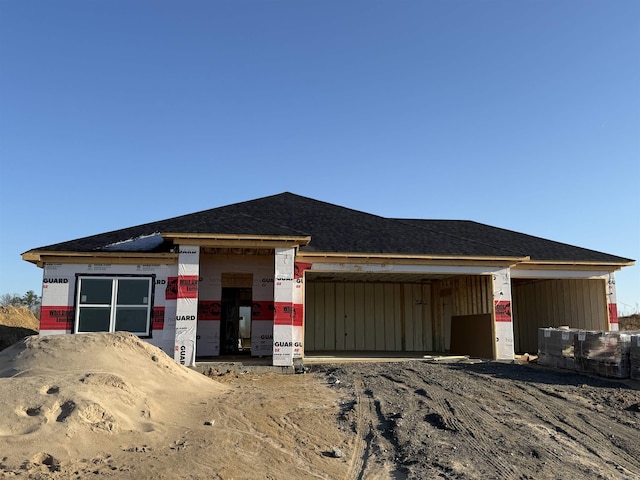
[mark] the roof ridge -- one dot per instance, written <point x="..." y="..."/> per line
<point x="315" y="200"/>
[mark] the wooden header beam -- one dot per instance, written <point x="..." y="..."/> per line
<point x="377" y="258"/>
<point x="40" y="257"/>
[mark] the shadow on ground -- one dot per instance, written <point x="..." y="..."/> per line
<point x="10" y="335"/>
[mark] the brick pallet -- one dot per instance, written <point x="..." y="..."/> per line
<point x="607" y="354"/>
<point x="634" y="357"/>
<point x="555" y="347"/>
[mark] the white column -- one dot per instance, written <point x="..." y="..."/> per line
<point x="283" y="307"/>
<point x="298" y="308"/>
<point x="187" y="304"/>
<point x="612" y="303"/>
<point x="502" y="320"/>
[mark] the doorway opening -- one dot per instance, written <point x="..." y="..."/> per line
<point x="235" y="321"/>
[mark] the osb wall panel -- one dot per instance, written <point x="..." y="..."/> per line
<point x="576" y="303"/>
<point x="360" y="316"/>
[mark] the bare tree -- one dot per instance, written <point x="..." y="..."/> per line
<point x="10" y="299"/>
<point x="29" y="300"/>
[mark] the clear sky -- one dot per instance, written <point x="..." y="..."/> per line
<point x="519" y="114"/>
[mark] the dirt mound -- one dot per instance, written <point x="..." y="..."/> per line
<point x="113" y="406"/>
<point x="15" y="324"/>
<point x="632" y="322"/>
<point x="62" y="395"/>
<point x="18" y="317"/>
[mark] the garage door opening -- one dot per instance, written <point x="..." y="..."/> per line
<point x="539" y="303"/>
<point x="345" y="314"/>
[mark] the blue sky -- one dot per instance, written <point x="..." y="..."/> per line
<point x="523" y="115"/>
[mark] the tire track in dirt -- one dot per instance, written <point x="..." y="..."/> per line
<point x="450" y="406"/>
<point x="567" y="421"/>
<point x="360" y="451"/>
<point x="362" y="440"/>
<point x="493" y="420"/>
<point x="554" y="412"/>
<point x="585" y="431"/>
<point x="371" y="444"/>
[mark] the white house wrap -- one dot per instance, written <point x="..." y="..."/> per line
<point x="187" y="304"/>
<point x="283" y="306"/>
<point x="502" y="315"/>
<point x="612" y="303"/>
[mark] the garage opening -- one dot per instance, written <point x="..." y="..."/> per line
<point x="438" y="314"/>
<point x="359" y="316"/>
<point x="539" y="303"/>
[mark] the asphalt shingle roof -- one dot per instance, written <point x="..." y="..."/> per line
<point x="536" y="248"/>
<point x="336" y="229"/>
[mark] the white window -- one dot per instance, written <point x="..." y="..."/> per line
<point x="107" y="304"/>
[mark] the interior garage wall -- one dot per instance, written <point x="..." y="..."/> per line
<point x="472" y="295"/>
<point x="577" y="303"/>
<point x="465" y="295"/>
<point x="360" y="316"/>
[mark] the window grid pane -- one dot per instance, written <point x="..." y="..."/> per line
<point x="94" y="319"/>
<point x="131" y="319"/>
<point x="133" y="292"/>
<point x="96" y="291"/>
<point x="100" y="311"/>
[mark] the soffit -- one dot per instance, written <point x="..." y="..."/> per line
<point x="366" y="277"/>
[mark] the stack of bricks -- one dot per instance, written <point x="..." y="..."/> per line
<point x="603" y="353"/>
<point x="634" y="357"/>
<point x="607" y="354"/>
<point x="556" y="346"/>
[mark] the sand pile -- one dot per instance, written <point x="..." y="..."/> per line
<point x="18" y="317"/>
<point x="15" y="324"/>
<point x="62" y="396"/>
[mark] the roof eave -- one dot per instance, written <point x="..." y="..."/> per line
<point x="573" y="264"/>
<point x="40" y="257"/>
<point x="394" y="257"/>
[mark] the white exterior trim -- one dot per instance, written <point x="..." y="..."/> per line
<point x="560" y="274"/>
<point x="399" y="268"/>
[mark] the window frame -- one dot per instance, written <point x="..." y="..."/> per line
<point x="113" y="305"/>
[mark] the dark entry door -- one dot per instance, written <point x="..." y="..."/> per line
<point x="235" y="316"/>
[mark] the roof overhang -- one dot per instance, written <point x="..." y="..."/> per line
<point x="522" y="266"/>
<point x="40" y="257"/>
<point x="572" y="265"/>
<point x="394" y="258"/>
<point x="236" y="241"/>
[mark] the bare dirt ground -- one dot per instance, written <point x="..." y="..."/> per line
<point x="112" y="406"/>
<point x="487" y="420"/>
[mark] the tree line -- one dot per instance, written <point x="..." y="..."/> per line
<point x="29" y="300"/>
